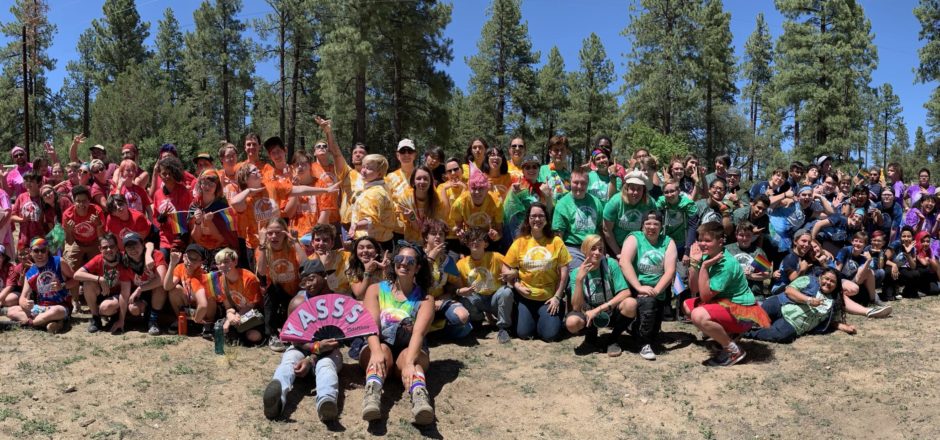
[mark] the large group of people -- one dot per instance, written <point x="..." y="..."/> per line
<point x="441" y="246"/>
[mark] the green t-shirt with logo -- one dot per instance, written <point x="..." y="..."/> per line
<point x="676" y="217"/>
<point x="594" y="283"/>
<point x="728" y="280"/>
<point x="650" y="260"/>
<point x="626" y="218"/>
<point x="575" y="219"/>
<point x="598" y="184"/>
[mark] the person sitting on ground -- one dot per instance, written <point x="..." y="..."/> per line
<point x="600" y="297"/>
<point x="403" y="312"/>
<point x="811" y="303"/>
<point x="240" y="294"/>
<point x="855" y="261"/>
<point x="366" y="265"/>
<point x="483" y="293"/>
<point x="107" y="285"/>
<point x="335" y="260"/>
<point x="725" y="305"/>
<point x="147" y="284"/>
<point x="537" y="261"/>
<point x="450" y="315"/>
<point x="648" y="262"/>
<point x="12" y="285"/>
<point x="44" y="302"/>
<point x="746" y="251"/>
<point x="186" y="287"/>
<point x="323" y="357"/>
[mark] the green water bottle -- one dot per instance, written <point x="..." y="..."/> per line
<point x="219" y="337"/>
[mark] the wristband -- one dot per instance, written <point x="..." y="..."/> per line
<point x="316" y="347"/>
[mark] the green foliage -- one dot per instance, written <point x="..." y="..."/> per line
<point x="715" y="76"/>
<point x="664" y="147"/>
<point x="552" y="98"/>
<point x="757" y="73"/>
<point x="592" y="104"/>
<point x="120" y="37"/>
<point x="169" y="55"/>
<point x="887" y="117"/>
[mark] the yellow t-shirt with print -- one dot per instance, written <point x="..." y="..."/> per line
<point x="538" y="262"/>
<point x="464" y="212"/>
<point x="352" y="186"/>
<point x="397" y="184"/>
<point x="484" y="274"/>
<point x="439" y="280"/>
<point x="411" y="227"/>
<point x="374" y="205"/>
<point x="499" y="186"/>
<point x="336" y="278"/>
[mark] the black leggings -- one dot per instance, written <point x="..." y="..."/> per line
<point x="649" y="314"/>
<point x="276" y="300"/>
<point x="911" y="281"/>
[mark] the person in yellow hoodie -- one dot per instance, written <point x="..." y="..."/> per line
<point x="373" y="213"/>
<point x="477" y="208"/>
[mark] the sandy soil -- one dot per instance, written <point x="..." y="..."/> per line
<point x="878" y="384"/>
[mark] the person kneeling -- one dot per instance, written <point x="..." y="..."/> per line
<point x="297" y="361"/>
<point x="600" y="297"/>
<point x="241" y="296"/>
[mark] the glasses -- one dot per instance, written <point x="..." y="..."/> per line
<point x="41" y="250"/>
<point x="405" y="260"/>
<point x="320" y="146"/>
<point x="47" y="193"/>
<point x="254" y="173"/>
<point x="406" y="151"/>
<point x="536" y="216"/>
<point x="206" y="183"/>
<point x="108" y="248"/>
<point x="530" y="167"/>
<point x="517" y="146"/>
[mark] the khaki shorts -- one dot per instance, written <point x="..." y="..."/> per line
<point x="76" y="255"/>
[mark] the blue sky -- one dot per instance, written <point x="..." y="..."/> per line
<point x="564" y="23"/>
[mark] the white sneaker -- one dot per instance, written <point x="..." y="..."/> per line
<point x="647" y="353"/>
<point x="879" y="312"/>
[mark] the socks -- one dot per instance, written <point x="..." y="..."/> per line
<point x="417" y="380"/>
<point x="153" y="316"/>
<point x="733" y="347"/>
<point x="373" y="376"/>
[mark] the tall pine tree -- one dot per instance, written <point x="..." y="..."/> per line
<point x="169" y="55"/>
<point x="757" y="71"/>
<point x="553" y="89"/>
<point x="888" y="107"/>
<point x="928" y="13"/>
<point x="715" y="76"/>
<point x="593" y="107"/>
<point x="119" y="39"/>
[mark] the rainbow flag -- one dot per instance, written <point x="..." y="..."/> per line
<point x="214" y="286"/>
<point x="177" y="221"/>
<point x="677" y="285"/>
<point x="227" y="216"/>
<point x="762" y="264"/>
<point x="224" y="221"/>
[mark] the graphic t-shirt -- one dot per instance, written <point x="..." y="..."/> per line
<point x="32" y="225"/>
<point x="42" y="279"/>
<point x="804" y="317"/>
<point x="85" y="232"/>
<point x="594" y="284"/>
<point x="575" y="219"/>
<point x="484" y="274"/>
<point x="113" y="274"/>
<point x="144" y="275"/>
<point x="137" y="197"/>
<point x="464" y="212"/>
<point x="397" y="182"/>
<point x="676" y="217"/>
<point x="136" y="222"/>
<point x="243" y="291"/>
<point x="283" y="268"/>
<point x="626" y="217"/>
<point x="374" y="205"/>
<point x="177" y="200"/>
<point x="559" y="181"/>
<point x="538" y="262"/>
<point x="598" y="184"/>
<point x="650" y="260"/>
<point x="728" y="281"/>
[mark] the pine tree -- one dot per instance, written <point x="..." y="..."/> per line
<point x="660" y="64"/>
<point x="757" y="72"/>
<point x="593" y="106"/>
<point x="922" y="152"/>
<point x="169" y="54"/>
<point x="716" y="74"/>
<point x="928" y="13"/>
<point x="81" y="83"/>
<point x="888" y="107"/>
<point x="900" y="149"/>
<point x="553" y="97"/>
<point x="119" y="40"/>
<point x="501" y="66"/>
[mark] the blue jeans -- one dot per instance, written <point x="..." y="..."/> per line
<point x="326" y="373"/>
<point x="780" y="330"/>
<point x="498" y="304"/>
<point x="453" y="328"/>
<point x="532" y="316"/>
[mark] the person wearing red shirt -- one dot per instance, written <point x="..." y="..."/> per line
<point x="12" y="277"/>
<point x="107" y="285"/>
<point x="147" y="284"/>
<point x="82" y="223"/>
<point x="100" y="182"/>
<point x="173" y="197"/>
<point x="27" y="210"/>
<point x="122" y="219"/>
<point x="136" y="196"/>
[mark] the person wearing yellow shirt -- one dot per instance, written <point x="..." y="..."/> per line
<point x="420" y="205"/>
<point x="497" y="171"/>
<point x="450" y="315"/>
<point x="352" y="183"/>
<point x="476" y="152"/>
<point x="538" y="261"/>
<point x="516" y="158"/>
<point x="397" y="181"/>
<point x="334" y="260"/>
<point x="484" y="292"/>
<point x="373" y="214"/>
<point x="477" y="208"/>
<point x="447" y="192"/>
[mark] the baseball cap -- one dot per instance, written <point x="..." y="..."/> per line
<point x="532" y="158"/>
<point x="636" y="178"/>
<point x="205" y="156"/>
<point x="97" y="147"/>
<point x="733" y="171"/>
<point x="405" y="143"/>
<point x="131" y="236"/>
<point x="312" y="266"/>
<point x="198" y="249"/>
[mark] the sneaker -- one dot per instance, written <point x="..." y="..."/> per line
<point x="613" y="349"/>
<point x="154" y="329"/>
<point x="879" y="312"/>
<point x="647" y="353"/>
<point x="273" y="400"/>
<point x="921" y="295"/>
<point x="327" y="410"/>
<point x="503" y="336"/>
<point x="54" y="327"/>
<point x="275" y="344"/>
<point x="421" y="407"/>
<point x="727" y="358"/>
<point x="899" y="297"/>
<point x="207" y="332"/>
<point x="372" y="402"/>
<point x="94" y="325"/>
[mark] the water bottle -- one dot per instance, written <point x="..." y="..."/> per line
<point x="219" y="338"/>
<point x="181" y="323"/>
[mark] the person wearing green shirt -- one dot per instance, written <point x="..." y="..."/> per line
<point x="808" y="304"/>
<point x="648" y="262"/>
<point x="679" y="213"/>
<point x="603" y="181"/>
<point x="724" y="303"/>
<point x="600" y="297"/>
<point x="624" y="214"/>
<point x="577" y="215"/>
<point x="557" y="174"/>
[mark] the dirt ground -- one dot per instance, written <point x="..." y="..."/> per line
<point x="878" y="384"/>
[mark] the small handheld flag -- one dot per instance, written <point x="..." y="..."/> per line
<point x="177" y="221"/>
<point x="761" y="264"/>
<point x="677" y="285"/>
<point x="215" y="285"/>
<point x="224" y="221"/>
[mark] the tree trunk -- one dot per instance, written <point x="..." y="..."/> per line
<point x="709" y="124"/>
<point x="26" y="140"/>
<point x="282" y="42"/>
<point x="796" y="127"/>
<point x="500" y="76"/>
<point x="398" y="102"/>
<point x="86" y="106"/>
<point x="359" y="129"/>
<point x="294" y="86"/>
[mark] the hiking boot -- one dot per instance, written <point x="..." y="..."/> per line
<point x="273" y="400"/>
<point x="879" y="312"/>
<point x="275" y="344"/>
<point x="54" y="327"/>
<point x="613" y="349"/>
<point x="207" y="331"/>
<point x="372" y="402"/>
<point x="421" y="407"/>
<point x="327" y="410"/>
<point x="94" y="326"/>
<point x="503" y="336"/>
<point x="647" y="353"/>
<point x="728" y="357"/>
<point x="154" y="329"/>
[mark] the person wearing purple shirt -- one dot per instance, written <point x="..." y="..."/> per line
<point x="915" y="192"/>
<point x="923" y="216"/>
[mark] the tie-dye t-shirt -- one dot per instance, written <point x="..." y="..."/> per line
<point x="397" y="314"/>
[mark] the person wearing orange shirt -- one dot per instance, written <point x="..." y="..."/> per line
<point x="516" y="158"/>
<point x="279" y="174"/>
<point x="186" y="287"/>
<point x="241" y="294"/>
<point x="279" y="256"/>
<point x="228" y="155"/>
<point x="329" y="168"/>
<point x="497" y="171"/>
<point x="253" y="152"/>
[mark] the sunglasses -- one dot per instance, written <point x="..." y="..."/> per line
<point x="406" y="151"/>
<point x="405" y="260"/>
<point x="530" y="167"/>
<point x="40" y="250"/>
<point x="320" y="146"/>
<point x="452" y="170"/>
<point x="517" y="146"/>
